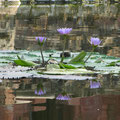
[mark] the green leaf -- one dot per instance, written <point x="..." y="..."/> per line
<point x="18" y="57"/>
<point x="79" y="58"/>
<point x="118" y="61"/>
<point x="65" y="66"/>
<point x="111" y="64"/>
<point x="24" y="62"/>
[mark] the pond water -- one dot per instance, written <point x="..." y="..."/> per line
<point x="19" y="102"/>
<point x="20" y="24"/>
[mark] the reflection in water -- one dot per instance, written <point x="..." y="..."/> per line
<point x="44" y="20"/>
<point x="40" y="89"/>
<point x="85" y="22"/>
<point x="16" y="112"/>
<point x="18" y="29"/>
<point x="100" y="107"/>
<point x="63" y="96"/>
<point x="95" y="84"/>
<point x="8" y="10"/>
<point x="102" y="103"/>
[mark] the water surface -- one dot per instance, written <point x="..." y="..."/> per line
<point x="25" y="22"/>
<point x="18" y="27"/>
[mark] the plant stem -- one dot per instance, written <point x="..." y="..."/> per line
<point x="90" y="54"/>
<point x="41" y="51"/>
<point x="64" y="42"/>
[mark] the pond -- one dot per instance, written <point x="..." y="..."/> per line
<point x="77" y="89"/>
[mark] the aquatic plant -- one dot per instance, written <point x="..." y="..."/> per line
<point x="75" y="64"/>
<point x="41" y="40"/>
<point x="63" y="96"/>
<point x="64" y="32"/>
<point x="95" y="84"/>
<point x="95" y="41"/>
<point x="23" y="62"/>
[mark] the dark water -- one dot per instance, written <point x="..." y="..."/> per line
<point x="18" y="28"/>
<point x="19" y="102"/>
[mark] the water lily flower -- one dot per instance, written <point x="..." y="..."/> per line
<point x="95" y="84"/>
<point x="41" y="40"/>
<point x="40" y="92"/>
<point x="63" y="96"/>
<point x="64" y="31"/>
<point x="95" y="41"/>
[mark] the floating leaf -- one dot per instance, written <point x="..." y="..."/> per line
<point x="111" y="64"/>
<point x="99" y="60"/>
<point x="65" y="71"/>
<point x="108" y="70"/>
<point x="118" y="61"/>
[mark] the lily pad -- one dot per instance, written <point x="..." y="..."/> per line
<point x="66" y="71"/>
<point x="99" y="62"/>
<point x="65" y="77"/>
<point x="108" y="70"/>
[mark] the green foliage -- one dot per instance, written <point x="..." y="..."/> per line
<point x="111" y="64"/>
<point x="24" y="62"/>
<point x="99" y="63"/>
<point x="79" y="58"/>
<point x="66" y="66"/>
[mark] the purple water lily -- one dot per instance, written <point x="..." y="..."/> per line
<point x="41" y="40"/>
<point x="95" y="41"/>
<point x="64" y="31"/>
<point x="95" y="84"/>
<point x="63" y="97"/>
<point x="40" y="92"/>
